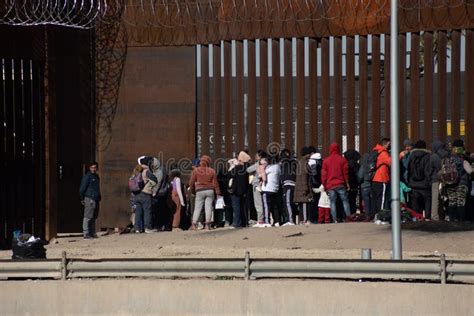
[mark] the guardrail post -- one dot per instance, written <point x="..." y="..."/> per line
<point x="63" y="266"/>
<point x="442" y="262"/>
<point x="247" y="265"/>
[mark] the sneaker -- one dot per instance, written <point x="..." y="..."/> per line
<point x="231" y="227"/>
<point x="258" y="225"/>
<point x="277" y="224"/>
<point x="226" y="224"/>
<point x="150" y="231"/>
<point x="288" y="224"/>
<point x="87" y="237"/>
<point x="200" y="226"/>
<point x="137" y="232"/>
<point x="266" y="225"/>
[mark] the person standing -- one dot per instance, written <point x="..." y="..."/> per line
<point x="204" y="183"/>
<point x="353" y="156"/>
<point x="240" y="182"/>
<point x="255" y="181"/>
<point x="270" y="188"/>
<point x="143" y="202"/>
<point x="288" y="179"/>
<point x="89" y="192"/>
<point x="419" y="179"/>
<point x="303" y="190"/>
<point x="176" y="198"/>
<point x="335" y="179"/>
<point x="381" y="179"/>
<point x="439" y="153"/>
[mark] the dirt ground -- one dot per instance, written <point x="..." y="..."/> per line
<point x="331" y="241"/>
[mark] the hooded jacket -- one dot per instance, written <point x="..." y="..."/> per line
<point x="383" y="165"/>
<point x="272" y="178"/>
<point x="353" y="158"/>
<point x="335" y="171"/>
<point x="423" y="157"/>
<point x="439" y="153"/>
<point x="204" y="177"/>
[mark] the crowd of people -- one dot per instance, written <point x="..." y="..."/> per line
<point x="278" y="189"/>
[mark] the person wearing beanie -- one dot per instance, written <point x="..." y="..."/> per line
<point x="239" y="182"/>
<point x="335" y="180"/>
<point x="419" y="179"/>
<point x="204" y="183"/>
<point x="303" y="190"/>
<point x="288" y="180"/>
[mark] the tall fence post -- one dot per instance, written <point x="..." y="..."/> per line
<point x="442" y="262"/>
<point x="247" y="265"/>
<point x="63" y="265"/>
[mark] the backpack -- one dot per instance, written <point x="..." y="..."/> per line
<point x="449" y="171"/>
<point x="136" y="183"/>
<point x="165" y="185"/>
<point x="370" y="166"/>
<point x="417" y="167"/>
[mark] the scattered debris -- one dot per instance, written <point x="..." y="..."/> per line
<point x="245" y="238"/>
<point x="294" y="235"/>
<point x="294" y="248"/>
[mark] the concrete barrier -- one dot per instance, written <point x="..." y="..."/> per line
<point x="219" y="297"/>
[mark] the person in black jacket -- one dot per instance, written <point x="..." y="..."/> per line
<point x="89" y="193"/>
<point x="353" y="156"/>
<point x="239" y="188"/>
<point x="439" y="153"/>
<point x="289" y="166"/>
<point x="419" y="178"/>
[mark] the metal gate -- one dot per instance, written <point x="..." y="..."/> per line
<point x="22" y="148"/>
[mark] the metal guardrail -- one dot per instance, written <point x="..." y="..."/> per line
<point x="442" y="270"/>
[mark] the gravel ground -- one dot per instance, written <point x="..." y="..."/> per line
<point x="331" y="241"/>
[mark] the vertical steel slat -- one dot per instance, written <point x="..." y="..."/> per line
<point x="338" y="91"/>
<point x="375" y="90"/>
<point x="300" y="102"/>
<point x="363" y="86"/>
<point x="428" y="86"/>
<point x="276" y="108"/>
<point x="456" y="84"/>
<point x="228" y="139"/>
<point x="325" y="114"/>
<point x="350" y="84"/>
<point x="386" y="86"/>
<point x="217" y="101"/>
<point x="442" y="89"/>
<point x="263" y="142"/>
<point x="469" y="91"/>
<point x="401" y="85"/>
<point x="313" y="73"/>
<point x="240" y="108"/>
<point x="252" y="98"/>
<point x="415" y="86"/>
<point x="288" y="95"/>
<point x="204" y="100"/>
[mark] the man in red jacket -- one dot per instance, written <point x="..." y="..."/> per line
<point x="335" y="179"/>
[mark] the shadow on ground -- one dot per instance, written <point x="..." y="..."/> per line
<point x="439" y="227"/>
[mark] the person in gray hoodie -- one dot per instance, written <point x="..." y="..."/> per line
<point x="439" y="153"/>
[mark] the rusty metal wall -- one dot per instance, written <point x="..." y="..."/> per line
<point x="155" y="116"/>
<point x="345" y="101"/>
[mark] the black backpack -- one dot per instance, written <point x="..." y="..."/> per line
<point x="369" y="167"/>
<point x="417" y="166"/>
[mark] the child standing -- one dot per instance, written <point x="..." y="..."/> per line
<point x="177" y="197"/>
<point x="324" y="206"/>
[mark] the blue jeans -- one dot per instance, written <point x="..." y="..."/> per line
<point x="143" y="216"/>
<point x="238" y="202"/>
<point x="342" y="192"/>
<point x="365" y="192"/>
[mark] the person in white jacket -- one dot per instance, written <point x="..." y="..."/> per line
<point x="270" y="188"/>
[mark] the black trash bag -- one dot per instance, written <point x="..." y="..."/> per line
<point x="22" y="249"/>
